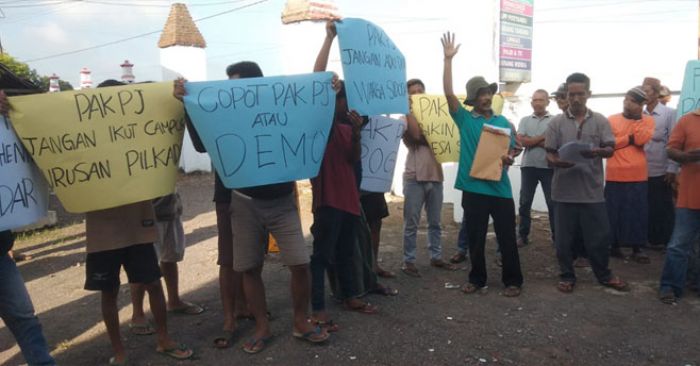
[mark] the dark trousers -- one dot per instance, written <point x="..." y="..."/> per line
<point x="477" y="209"/>
<point x="661" y="211"/>
<point x="334" y="245"/>
<point x="591" y="221"/>
<point x="628" y="212"/>
<point x="530" y="176"/>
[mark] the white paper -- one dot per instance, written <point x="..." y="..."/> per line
<point x="571" y="151"/>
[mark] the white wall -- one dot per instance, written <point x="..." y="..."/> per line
<point x="190" y="63"/>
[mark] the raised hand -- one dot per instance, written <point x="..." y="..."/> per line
<point x="330" y="29"/>
<point x="448" y="45"/>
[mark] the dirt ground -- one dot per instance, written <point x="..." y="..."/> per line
<point x="427" y="324"/>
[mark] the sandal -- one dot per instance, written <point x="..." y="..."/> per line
<point x="251" y="317"/>
<point x="188" y="309"/>
<point x="179" y="352"/>
<point x="668" y="298"/>
<point x="329" y="325"/>
<point x="318" y="335"/>
<point x="458" y="258"/>
<point x="225" y="340"/>
<point x="566" y="287"/>
<point x="410" y="269"/>
<point x="512" y="291"/>
<point x="470" y="288"/>
<point x="141" y="329"/>
<point x="385" y="274"/>
<point x="641" y="258"/>
<point x="384" y="290"/>
<point x="365" y="308"/>
<point x="255" y="345"/>
<point x="617" y="284"/>
<point x="439" y="263"/>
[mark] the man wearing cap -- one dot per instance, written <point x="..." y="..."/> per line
<point x="482" y="198"/>
<point x="534" y="168"/>
<point x="662" y="171"/>
<point x="684" y="148"/>
<point x="578" y="188"/>
<point x="626" y="176"/>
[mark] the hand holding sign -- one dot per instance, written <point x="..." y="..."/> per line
<point x="374" y="68"/>
<point x="380" y="143"/>
<point x="263" y="130"/>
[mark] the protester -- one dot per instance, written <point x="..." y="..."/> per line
<point x="170" y="249"/>
<point x="482" y="198"/>
<point x="534" y="168"/>
<point x="257" y="212"/>
<point x="626" y="176"/>
<point x="375" y="208"/>
<point x="231" y="290"/>
<point x="684" y="148"/>
<point x="336" y="203"/>
<point x="577" y="188"/>
<point x="422" y="187"/>
<point x="16" y="308"/>
<point x="662" y="171"/>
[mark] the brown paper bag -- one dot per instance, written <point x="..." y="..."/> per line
<point x="493" y="145"/>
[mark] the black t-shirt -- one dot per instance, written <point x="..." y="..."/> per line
<point x="7" y="239"/>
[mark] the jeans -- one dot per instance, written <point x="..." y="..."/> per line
<point x="530" y="176"/>
<point x="17" y="311"/>
<point x="417" y="195"/>
<point x="477" y="209"/>
<point x="334" y="245"/>
<point x="685" y="230"/>
<point x="591" y="220"/>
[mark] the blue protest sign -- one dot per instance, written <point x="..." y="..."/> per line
<point x="380" y="140"/>
<point x="263" y="130"/>
<point x="690" y="93"/>
<point x="374" y="69"/>
<point x="23" y="190"/>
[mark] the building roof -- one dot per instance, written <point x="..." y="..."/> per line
<point x="180" y="29"/>
<point x="314" y="10"/>
<point x="14" y="85"/>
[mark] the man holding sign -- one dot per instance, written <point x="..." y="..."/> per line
<point x="483" y="197"/>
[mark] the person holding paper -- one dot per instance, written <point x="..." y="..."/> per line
<point x="683" y="148"/>
<point x="336" y="204"/>
<point x="422" y="186"/>
<point x="626" y="176"/>
<point x="534" y="168"/>
<point x="255" y="213"/>
<point x="662" y="170"/>
<point x="482" y="198"/>
<point x="577" y="188"/>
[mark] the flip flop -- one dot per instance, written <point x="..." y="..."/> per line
<point x="255" y="345"/>
<point x="385" y="274"/>
<point x="329" y="326"/>
<point x="565" y="287"/>
<point x="141" y="329"/>
<point x="251" y="317"/>
<point x="188" y="309"/>
<point x="458" y="258"/>
<point x="225" y="339"/>
<point x="512" y="291"/>
<point x="384" y="290"/>
<point x="365" y="308"/>
<point x="618" y="284"/>
<point x="443" y="265"/>
<point x="179" y="352"/>
<point x="314" y="336"/>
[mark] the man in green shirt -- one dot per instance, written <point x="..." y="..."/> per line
<point x="482" y="198"/>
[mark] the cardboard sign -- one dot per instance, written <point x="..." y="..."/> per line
<point x="380" y="140"/>
<point x="433" y="116"/>
<point x="24" y="195"/>
<point x="690" y="93"/>
<point x="263" y="130"/>
<point x="105" y="147"/>
<point x="374" y="69"/>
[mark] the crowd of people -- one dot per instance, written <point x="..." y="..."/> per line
<point x="595" y="212"/>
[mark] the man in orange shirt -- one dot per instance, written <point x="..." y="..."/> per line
<point x="684" y="148"/>
<point x="626" y="176"/>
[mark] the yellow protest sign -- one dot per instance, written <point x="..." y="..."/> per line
<point x="434" y="119"/>
<point x="104" y="147"/>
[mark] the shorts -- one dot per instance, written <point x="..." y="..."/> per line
<point x="374" y="206"/>
<point x="102" y="268"/>
<point x="225" y="242"/>
<point x="253" y="220"/>
<point x="170" y="247"/>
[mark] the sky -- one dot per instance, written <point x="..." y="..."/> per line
<point x="616" y="42"/>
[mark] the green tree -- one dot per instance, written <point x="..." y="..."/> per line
<point x="24" y="71"/>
